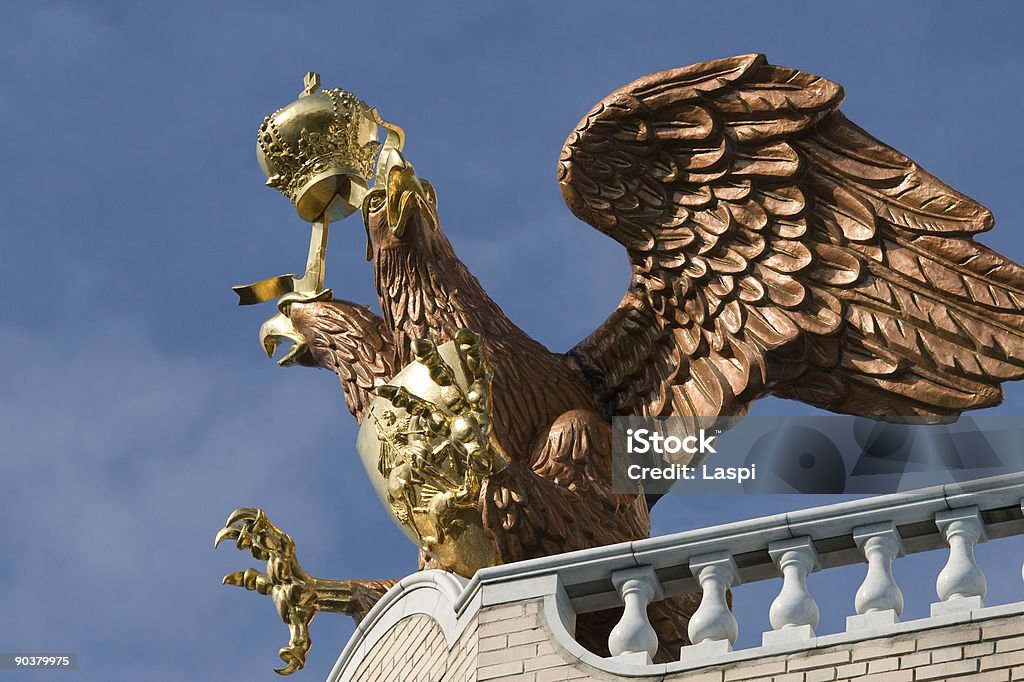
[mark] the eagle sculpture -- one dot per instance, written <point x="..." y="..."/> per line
<point x="776" y="249"/>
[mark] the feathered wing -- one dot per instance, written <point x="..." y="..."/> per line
<point x="352" y="342"/>
<point x="532" y="511"/>
<point x="778" y="248"/>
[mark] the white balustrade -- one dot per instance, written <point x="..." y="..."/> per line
<point x="713" y="621"/>
<point x="794" y="613"/>
<point x="633" y="636"/>
<point x="794" y="544"/>
<point x="880" y="543"/>
<point x="961" y="585"/>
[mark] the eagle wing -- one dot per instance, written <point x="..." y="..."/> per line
<point x="349" y="340"/>
<point x="778" y="248"/>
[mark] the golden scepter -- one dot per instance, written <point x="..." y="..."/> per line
<point x="320" y="151"/>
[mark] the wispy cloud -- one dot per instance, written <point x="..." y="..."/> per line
<point x="120" y="462"/>
<point x="135" y="409"/>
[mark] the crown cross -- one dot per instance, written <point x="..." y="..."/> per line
<point x="311" y="83"/>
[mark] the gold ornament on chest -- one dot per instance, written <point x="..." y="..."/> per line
<point x="427" y="446"/>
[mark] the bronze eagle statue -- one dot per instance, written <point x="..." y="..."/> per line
<point x="776" y="249"/>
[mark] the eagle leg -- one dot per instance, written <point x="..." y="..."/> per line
<point x="563" y="501"/>
<point x="297" y="595"/>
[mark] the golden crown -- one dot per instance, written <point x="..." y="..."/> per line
<point x="322" y="136"/>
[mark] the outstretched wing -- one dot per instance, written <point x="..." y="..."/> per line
<point x="778" y="248"/>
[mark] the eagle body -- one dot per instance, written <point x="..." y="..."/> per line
<point x="776" y="248"/>
<point x="545" y="414"/>
<point x="555" y="495"/>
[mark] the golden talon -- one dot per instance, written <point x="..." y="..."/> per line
<point x="295" y="658"/>
<point x="294" y="592"/>
<point x="243" y="514"/>
<point x="250" y="579"/>
<point x="233" y="579"/>
<point x="226" y="534"/>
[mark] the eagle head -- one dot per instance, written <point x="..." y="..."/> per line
<point x="402" y="212"/>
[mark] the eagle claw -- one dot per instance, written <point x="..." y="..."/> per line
<point x="250" y="579"/>
<point x="294" y="591"/>
<point x="252" y="530"/>
<point x="297" y="595"/>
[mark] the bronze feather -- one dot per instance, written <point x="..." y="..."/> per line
<point x="776" y="248"/>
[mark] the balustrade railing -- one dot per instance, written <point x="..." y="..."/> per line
<point x="876" y="531"/>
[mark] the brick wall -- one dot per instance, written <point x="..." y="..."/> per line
<point x="414" y="650"/>
<point x="511" y="643"/>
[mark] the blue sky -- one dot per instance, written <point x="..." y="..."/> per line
<point x="137" y="409"/>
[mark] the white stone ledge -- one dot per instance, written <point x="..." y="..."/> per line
<point x="579" y="582"/>
<point x="436" y="594"/>
<point x="585" y="574"/>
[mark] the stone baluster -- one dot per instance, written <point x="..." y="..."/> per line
<point x="633" y="638"/>
<point x="794" y="613"/>
<point x="713" y="628"/>
<point x="1022" y="566"/>
<point x="879" y="600"/>
<point x="960" y="585"/>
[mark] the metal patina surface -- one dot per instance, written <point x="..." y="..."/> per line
<point x="776" y="249"/>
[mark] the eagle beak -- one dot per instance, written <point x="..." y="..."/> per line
<point x="278" y="330"/>
<point x="408" y="194"/>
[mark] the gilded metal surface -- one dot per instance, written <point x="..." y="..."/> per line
<point x="776" y="249"/>
<point x="297" y="595"/>
<point x="325" y="138"/>
<point x="426" y="446"/>
<point x="279" y="330"/>
<point x="320" y="151"/>
<point x="311" y="282"/>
